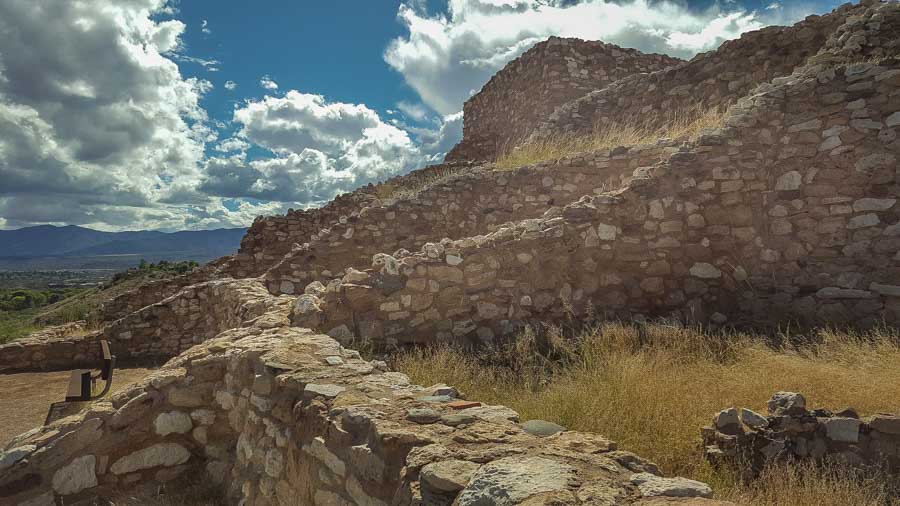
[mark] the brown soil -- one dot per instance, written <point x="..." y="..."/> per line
<point x="26" y="397"/>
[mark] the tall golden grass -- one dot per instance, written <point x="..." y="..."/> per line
<point x="652" y="390"/>
<point x="686" y="124"/>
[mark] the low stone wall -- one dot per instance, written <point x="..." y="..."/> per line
<point x="472" y="202"/>
<point x="271" y="237"/>
<point x="709" y="79"/>
<point x="282" y="416"/>
<point x="552" y="73"/>
<point x="191" y="316"/>
<point x="153" y="292"/>
<point x="791" y="432"/>
<point x="787" y="214"/>
<point x="60" y="347"/>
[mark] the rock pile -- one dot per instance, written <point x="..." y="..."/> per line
<point x="790" y="431"/>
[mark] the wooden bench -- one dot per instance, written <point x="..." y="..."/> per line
<point x="82" y="383"/>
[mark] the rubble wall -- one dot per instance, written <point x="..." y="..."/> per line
<point x="708" y="80"/>
<point x="282" y="416"/>
<point x="791" y="432"/>
<point x="473" y="202"/>
<point x="521" y="95"/>
<point x="787" y="214"/>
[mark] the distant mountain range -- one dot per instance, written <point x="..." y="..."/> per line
<point x="72" y="247"/>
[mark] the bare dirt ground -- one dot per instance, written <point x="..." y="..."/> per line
<point x="26" y="397"/>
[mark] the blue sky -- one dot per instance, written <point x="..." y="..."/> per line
<point x="165" y="114"/>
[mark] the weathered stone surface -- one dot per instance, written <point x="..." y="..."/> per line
<point x="786" y="403"/>
<point x="844" y="430"/>
<point x="542" y="428"/>
<point x="651" y="485"/>
<point x="448" y="475"/>
<point x="173" y="422"/>
<point x="9" y="457"/>
<point x="511" y="480"/>
<point x="78" y="475"/>
<point x="160" y="454"/>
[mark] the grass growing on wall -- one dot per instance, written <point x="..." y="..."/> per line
<point x="685" y="124"/>
<point x="651" y="393"/>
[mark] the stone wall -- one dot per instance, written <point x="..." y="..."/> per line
<point x="153" y="292"/>
<point x="191" y="316"/>
<point x="159" y="331"/>
<point x="788" y="213"/>
<point x="709" y="79"/>
<point x="790" y="432"/>
<point x="529" y="88"/>
<point x="59" y="347"/>
<point x="475" y="201"/>
<point x="282" y="416"/>
<point x="271" y="237"/>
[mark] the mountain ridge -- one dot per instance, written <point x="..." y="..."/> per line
<point x="75" y="241"/>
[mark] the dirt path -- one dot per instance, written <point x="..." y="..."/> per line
<point x="26" y="397"/>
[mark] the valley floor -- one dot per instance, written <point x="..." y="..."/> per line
<point x="652" y="391"/>
<point x="26" y="397"/>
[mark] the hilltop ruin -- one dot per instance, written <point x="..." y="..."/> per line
<point x="787" y="212"/>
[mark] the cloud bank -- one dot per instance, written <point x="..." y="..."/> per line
<point x="98" y="126"/>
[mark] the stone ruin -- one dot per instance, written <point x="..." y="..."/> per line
<point x="785" y="213"/>
<point x="790" y="431"/>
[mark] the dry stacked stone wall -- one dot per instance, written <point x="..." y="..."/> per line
<point x="554" y="72"/>
<point x="153" y="292"/>
<point x="708" y="80"/>
<point x="58" y="347"/>
<point x="788" y="213"/>
<point x="283" y="416"/>
<point x="191" y="316"/>
<point x="475" y="201"/>
<point x="791" y="432"/>
<point x="271" y="237"/>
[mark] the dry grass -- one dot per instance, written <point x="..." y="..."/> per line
<point x="413" y="184"/>
<point x="685" y="124"/>
<point x="652" y="391"/>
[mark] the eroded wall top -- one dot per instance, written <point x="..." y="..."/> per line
<point x="529" y="88"/>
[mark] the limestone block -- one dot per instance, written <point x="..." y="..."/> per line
<point x="651" y="485"/>
<point x="843" y="430"/>
<point x="173" y="422"/>
<point x="512" y="480"/>
<point x="448" y="475"/>
<point x="161" y="454"/>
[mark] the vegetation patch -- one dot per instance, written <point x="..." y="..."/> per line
<point x="687" y="124"/>
<point x="652" y="388"/>
<point x="25" y="310"/>
<point x="411" y="185"/>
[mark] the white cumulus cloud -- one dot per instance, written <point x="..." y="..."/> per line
<point x="267" y="83"/>
<point x="448" y="57"/>
<point x="97" y="125"/>
<point x="319" y="149"/>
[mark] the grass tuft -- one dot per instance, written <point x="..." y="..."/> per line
<point x="652" y="388"/>
<point x="686" y="124"/>
<point x="411" y="185"/>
